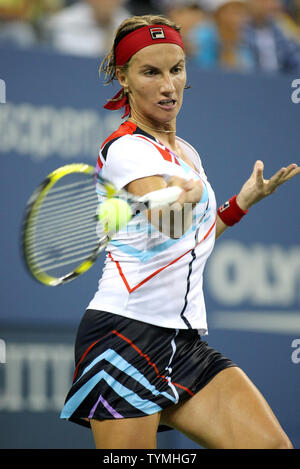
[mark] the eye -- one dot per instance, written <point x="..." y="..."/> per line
<point x="150" y="72"/>
<point x="177" y="69"/>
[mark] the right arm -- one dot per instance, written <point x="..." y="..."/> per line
<point x="176" y="219"/>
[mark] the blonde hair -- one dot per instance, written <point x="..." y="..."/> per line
<point x="108" y="64"/>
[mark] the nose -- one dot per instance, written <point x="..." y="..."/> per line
<point x="167" y="85"/>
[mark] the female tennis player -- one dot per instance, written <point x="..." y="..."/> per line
<point x="141" y="362"/>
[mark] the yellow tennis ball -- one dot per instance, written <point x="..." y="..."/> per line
<point x="114" y="214"/>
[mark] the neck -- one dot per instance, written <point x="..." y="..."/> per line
<point x="152" y="128"/>
<point x="166" y="135"/>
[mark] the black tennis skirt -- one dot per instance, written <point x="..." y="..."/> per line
<point x="127" y="368"/>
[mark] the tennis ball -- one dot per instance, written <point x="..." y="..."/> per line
<point x="114" y="214"/>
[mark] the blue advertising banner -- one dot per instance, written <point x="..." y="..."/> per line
<point x="51" y="113"/>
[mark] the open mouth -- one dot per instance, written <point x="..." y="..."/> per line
<point x="167" y="103"/>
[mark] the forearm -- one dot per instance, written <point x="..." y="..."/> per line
<point x="229" y="214"/>
<point x="254" y="189"/>
<point x="220" y="227"/>
<point x="174" y="220"/>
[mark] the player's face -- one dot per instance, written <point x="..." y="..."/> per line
<point x="156" y="78"/>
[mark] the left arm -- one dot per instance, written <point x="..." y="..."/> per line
<point x="257" y="188"/>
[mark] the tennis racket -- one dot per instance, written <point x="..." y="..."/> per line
<point x="61" y="235"/>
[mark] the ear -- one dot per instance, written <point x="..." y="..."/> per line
<point x="122" y="77"/>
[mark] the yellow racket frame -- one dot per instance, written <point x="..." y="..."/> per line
<point x="33" y="209"/>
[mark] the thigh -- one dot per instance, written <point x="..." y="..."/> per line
<point x="229" y="412"/>
<point x="130" y="433"/>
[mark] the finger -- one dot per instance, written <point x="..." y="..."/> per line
<point x="276" y="180"/>
<point x="286" y="173"/>
<point x="291" y="171"/>
<point x="283" y="175"/>
<point x="258" y="171"/>
<point x="189" y="185"/>
<point x="290" y="174"/>
<point x="292" y="166"/>
<point x="181" y="199"/>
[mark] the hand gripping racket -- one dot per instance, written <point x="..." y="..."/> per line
<point x="61" y="234"/>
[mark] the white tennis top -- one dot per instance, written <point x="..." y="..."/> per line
<point x="147" y="275"/>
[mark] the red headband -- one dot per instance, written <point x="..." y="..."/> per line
<point x="143" y="37"/>
<point x="132" y="43"/>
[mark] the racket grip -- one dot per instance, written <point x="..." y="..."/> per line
<point x="163" y="197"/>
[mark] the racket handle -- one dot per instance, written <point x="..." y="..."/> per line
<point x="162" y="197"/>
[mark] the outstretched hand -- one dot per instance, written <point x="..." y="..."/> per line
<point x="257" y="188"/>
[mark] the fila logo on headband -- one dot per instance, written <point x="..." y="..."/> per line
<point x="157" y="33"/>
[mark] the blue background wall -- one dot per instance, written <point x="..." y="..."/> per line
<point x="53" y="115"/>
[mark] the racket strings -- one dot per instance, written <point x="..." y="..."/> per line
<point x="58" y="240"/>
<point x="67" y="186"/>
<point x="86" y="193"/>
<point x="61" y="264"/>
<point x="40" y="253"/>
<point x="66" y="206"/>
<point x="53" y="202"/>
<point x="63" y="223"/>
<point x="62" y="228"/>
<point x="50" y="264"/>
